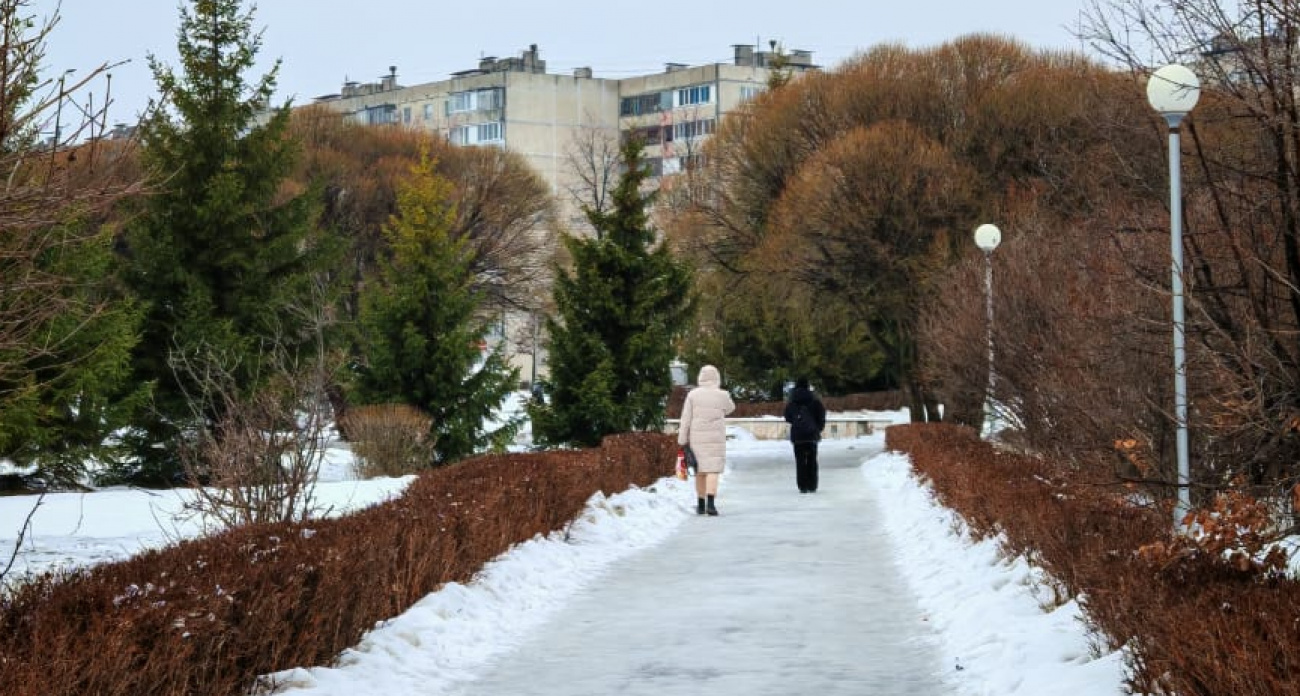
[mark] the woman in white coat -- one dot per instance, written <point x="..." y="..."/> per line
<point x="704" y="430"/>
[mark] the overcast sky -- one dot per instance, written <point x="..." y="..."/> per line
<point x="324" y="42"/>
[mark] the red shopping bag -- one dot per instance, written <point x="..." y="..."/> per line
<point x="681" y="464"/>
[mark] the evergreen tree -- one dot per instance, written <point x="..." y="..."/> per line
<point x="59" y="409"/>
<point x="221" y="254"/>
<point x="620" y="308"/>
<point x="420" y="326"/>
<point x="779" y="71"/>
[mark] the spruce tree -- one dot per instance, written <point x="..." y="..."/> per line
<point x="59" y="406"/>
<point x="619" y="310"/>
<point x="421" y="330"/>
<point x="221" y="254"/>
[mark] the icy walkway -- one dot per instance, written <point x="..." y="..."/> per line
<point x="783" y="594"/>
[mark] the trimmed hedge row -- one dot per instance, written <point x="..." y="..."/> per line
<point x="207" y="616"/>
<point x="1195" y="623"/>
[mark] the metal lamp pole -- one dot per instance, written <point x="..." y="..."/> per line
<point x="987" y="238"/>
<point x="1172" y="91"/>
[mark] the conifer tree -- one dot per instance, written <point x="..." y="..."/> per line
<point x="59" y="406"/>
<point x="619" y="310"/>
<point x="221" y="254"/>
<point x="421" y="329"/>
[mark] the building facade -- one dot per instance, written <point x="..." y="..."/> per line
<point x="514" y="103"/>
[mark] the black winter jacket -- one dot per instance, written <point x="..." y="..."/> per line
<point x="803" y="400"/>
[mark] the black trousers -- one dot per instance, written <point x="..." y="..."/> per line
<point x="805" y="466"/>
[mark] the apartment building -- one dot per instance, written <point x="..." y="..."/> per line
<point x="674" y="111"/>
<point x="515" y="103"/>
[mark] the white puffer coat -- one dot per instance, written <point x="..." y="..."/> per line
<point x="704" y="425"/>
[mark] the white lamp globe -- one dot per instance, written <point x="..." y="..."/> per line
<point x="987" y="237"/>
<point x="1173" y="90"/>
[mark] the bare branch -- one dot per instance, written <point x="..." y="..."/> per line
<point x="22" y="534"/>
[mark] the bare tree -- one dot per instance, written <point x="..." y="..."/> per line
<point x="682" y="185"/>
<point x="1242" y="226"/>
<point x="45" y="181"/>
<point x="592" y="159"/>
<point x="503" y="210"/>
<point x="258" y="462"/>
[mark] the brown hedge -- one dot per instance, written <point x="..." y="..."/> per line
<point x="207" y="616"/>
<point x="1195" y="625"/>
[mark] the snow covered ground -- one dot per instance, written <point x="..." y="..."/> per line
<point x="535" y="621"/>
<point x="74" y="529"/>
<point x="979" y="627"/>
<point x="987" y="609"/>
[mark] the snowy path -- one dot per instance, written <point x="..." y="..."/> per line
<point x="783" y="594"/>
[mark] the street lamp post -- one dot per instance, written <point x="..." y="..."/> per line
<point x="1172" y="91"/>
<point x="987" y="238"/>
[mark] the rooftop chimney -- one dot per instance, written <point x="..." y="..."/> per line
<point x="389" y="81"/>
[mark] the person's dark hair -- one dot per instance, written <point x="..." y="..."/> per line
<point x="801" y="383"/>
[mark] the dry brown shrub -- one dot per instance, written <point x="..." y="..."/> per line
<point x="1235" y="531"/>
<point x="1201" y="616"/>
<point x="390" y="439"/>
<point x="207" y="617"/>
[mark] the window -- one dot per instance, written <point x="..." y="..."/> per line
<point x="378" y="115"/>
<point x="643" y="104"/>
<point x="700" y="94"/>
<point x="489" y="132"/>
<point x="428" y="112"/>
<point x="492" y="132"/>
<point x="489" y="99"/>
<point x="693" y="129"/>
<point x="650" y="135"/>
<point x="748" y="92"/>
<point x="460" y="101"/>
<point x="406" y="114"/>
<point x="475" y="100"/>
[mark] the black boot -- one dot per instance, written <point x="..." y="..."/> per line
<point x="699" y="506"/>
<point x="712" y="511"/>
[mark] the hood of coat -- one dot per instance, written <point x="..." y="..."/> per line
<point x="709" y="377"/>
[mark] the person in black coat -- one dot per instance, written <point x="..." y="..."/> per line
<point x="807" y="418"/>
